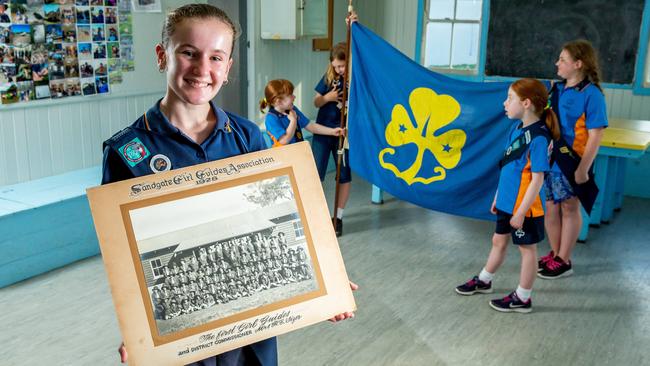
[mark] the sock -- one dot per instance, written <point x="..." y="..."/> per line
<point x="339" y="214"/>
<point x="485" y="276"/>
<point x="523" y="294"/>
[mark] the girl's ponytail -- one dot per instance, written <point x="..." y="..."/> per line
<point x="552" y="123"/>
<point x="263" y="105"/>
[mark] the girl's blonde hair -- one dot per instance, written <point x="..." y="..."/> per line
<point x="583" y="50"/>
<point x="274" y="90"/>
<point x="338" y="52"/>
<point x="535" y="91"/>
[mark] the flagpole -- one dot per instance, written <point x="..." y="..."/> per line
<point x="344" y="113"/>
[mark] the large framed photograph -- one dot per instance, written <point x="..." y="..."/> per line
<point x="215" y="256"/>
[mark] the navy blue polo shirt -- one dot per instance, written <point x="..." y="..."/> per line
<point x="329" y="114"/>
<point x="153" y="144"/>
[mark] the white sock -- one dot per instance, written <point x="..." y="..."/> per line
<point x="485" y="276"/>
<point x="339" y="214"/>
<point x="524" y="294"/>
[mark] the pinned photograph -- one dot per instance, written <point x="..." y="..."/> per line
<point x="111" y="15"/>
<point x="6" y="54"/>
<point x="23" y="54"/>
<point x="84" y="34"/>
<point x="35" y="14"/>
<point x="146" y="6"/>
<point x="25" y="91"/>
<point x="98" y="32"/>
<point x="86" y="69"/>
<point x="5" y="12"/>
<point x="9" y="93"/>
<point x="97" y="14"/>
<point x="53" y="33"/>
<point x="19" y="13"/>
<point x="114" y="77"/>
<point x="101" y="83"/>
<point x="56" y="68"/>
<point x="40" y="54"/>
<point x="83" y="15"/>
<point x="21" y="34"/>
<point x="99" y="50"/>
<point x="85" y="51"/>
<point x="52" y="13"/>
<point x="88" y="86"/>
<point x="114" y="64"/>
<point x="40" y="73"/>
<point x="69" y="33"/>
<point x="101" y="67"/>
<point x="110" y="2"/>
<point x="42" y="91"/>
<point x="97" y="2"/>
<point x="68" y="16"/>
<point x="57" y="89"/>
<point x="38" y="33"/>
<point x="5" y="34"/>
<point x="112" y="32"/>
<point x="7" y="73"/>
<point x="71" y="68"/>
<point x="23" y="72"/>
<point x="113" y="49"/>
<point x="82" y="3"/>
<point x="73" y="87"/>
<point x="34" y="3"/>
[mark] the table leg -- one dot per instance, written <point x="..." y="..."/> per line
<point x="610" y="183"/>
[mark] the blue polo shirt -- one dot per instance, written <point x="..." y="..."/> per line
<point x="130" y="152"/>
<point x="276" y="124"/>
<point x="516" y="176"/>
<point x="329" y="114"/>
<point x="579" y="108"/>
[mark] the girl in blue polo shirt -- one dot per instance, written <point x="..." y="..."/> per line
<point x="517" y="202"/>
<point x="185" y="127"/>
<point x="580" y="105"/>
<point x="328" y="100"/>
<point x="284" y="121"/>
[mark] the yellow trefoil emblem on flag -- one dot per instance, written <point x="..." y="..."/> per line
<point x="431" y="112"/>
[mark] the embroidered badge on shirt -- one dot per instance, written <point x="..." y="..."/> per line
<point x="160" y="163"/>
<point x="134" y="152"/>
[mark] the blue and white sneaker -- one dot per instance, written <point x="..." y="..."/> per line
<point x="473" y="286"/>
<point x="512" y="303"/>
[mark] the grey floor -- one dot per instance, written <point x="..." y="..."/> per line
<point x="407" y="261"/>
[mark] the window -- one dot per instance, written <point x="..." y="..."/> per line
<point x="452" y="35"/>
<point x="156" y="268"/>
<point x="298" y="230"/>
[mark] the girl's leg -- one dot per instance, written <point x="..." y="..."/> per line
<point x="344" y="194"/>
<point x="571" y="225"/>
<point x="528" y="265"/>
<point x="321" y="150"/>
<point x="553" y="224"/>
<point x="497" y="253"/>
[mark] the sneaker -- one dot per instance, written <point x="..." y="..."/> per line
<point x="541" y="264"/>
<point x="556" y="268"/>
<point x="512" y="303"/>
<point x="338" y="226"/>
<point x="473" y="286"/>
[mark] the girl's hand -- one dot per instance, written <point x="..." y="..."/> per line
<point x="338" y="131"/>
<point x="353" y="17"/>
<point x="293" y="117"/>
<point x="346" y="315"/>
<point x="332" y="95"/>
<point x="581" y="175"/>
<point x="493" y="208"/>
<point x="517" y="221"/>
<point x="122" y="351"/>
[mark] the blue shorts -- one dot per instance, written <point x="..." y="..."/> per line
<point x="531" y="232"/>
<point x="557" y="187"/>
<point x="323" y="146"/>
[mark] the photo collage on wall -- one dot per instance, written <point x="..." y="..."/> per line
<point x="62" y="48"/>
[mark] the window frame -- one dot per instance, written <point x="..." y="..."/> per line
<point x="423" y="22"/>
<point x="159" y="268"/>
<point x="298" y="228"/>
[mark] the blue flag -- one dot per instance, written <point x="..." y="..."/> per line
<point x="421" y="136"/>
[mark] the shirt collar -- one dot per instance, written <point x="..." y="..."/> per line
<point x="156" y="121"/>
<point x="579" y="86"/>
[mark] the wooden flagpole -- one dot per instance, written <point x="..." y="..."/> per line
<point x="344" y="114"/>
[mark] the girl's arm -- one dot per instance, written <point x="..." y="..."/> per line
<point x="493" y="208"/>
<point x="319" y="129"/>
<point x="532" y="192"/>
<point x="591" y="150"/>
<point x="291" y="128"/>
<point x="331" y="96"/>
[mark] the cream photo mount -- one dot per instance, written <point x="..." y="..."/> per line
<point x="208" y="258"/>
